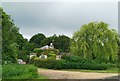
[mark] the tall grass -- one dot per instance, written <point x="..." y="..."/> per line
<point x="0" y="72"/>
<point x="19" y="72"/>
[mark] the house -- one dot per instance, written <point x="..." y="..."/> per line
<point x="43" y="56"/>
<point x="58" y="57"/>
<point x="47" y="47"/>
<point x="32" y="54"/>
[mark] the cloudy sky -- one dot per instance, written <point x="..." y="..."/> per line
<point x="59" y="17"/>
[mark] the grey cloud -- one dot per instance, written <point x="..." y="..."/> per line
<point x="60" y="18"/>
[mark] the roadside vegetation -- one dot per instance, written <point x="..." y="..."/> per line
<point x="94" y="47"/>
<point x="0" y="72"/>
<point x="110" y="70"/>
<point x="16" y="71"/>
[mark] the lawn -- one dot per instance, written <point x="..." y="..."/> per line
<point x="110" y="70"/>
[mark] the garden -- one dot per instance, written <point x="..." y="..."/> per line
<point x="96" y="49"/>
<point x="93" y="47"/>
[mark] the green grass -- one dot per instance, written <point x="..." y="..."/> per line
<point x="110" y="70"/>
<point x="0" y="72"/>
<point x="16" y="71"/>
<point x="42" y="77"/>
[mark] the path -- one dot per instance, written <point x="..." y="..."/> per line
<point x="58" y="74"/>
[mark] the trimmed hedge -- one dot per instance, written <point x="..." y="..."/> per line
<point x="62" y="64"/>
<point x="49" y="63"/>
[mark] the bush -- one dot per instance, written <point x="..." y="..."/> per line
<point x="38" y="51"/>
<point x="49" y="63"/>
<point x="89" y="66"/>
<point x="50" y="52"/>
<point x="81" y="63"/>
<point x="19" y="72"/>
<point x="63" y="64"/>
<point x="71" y="62"/>
<point x="94" y="66"/>
<point x="73" y="58"/>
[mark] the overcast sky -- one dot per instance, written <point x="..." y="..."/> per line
<point x="59" y="17"/>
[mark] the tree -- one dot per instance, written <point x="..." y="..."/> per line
<point x="25" y="52"/>
<point x="95" y="41"/>
<point x="0" y="36"/>
<point x="25" y="48"/>
<point x="9" y="37"/>
<point x="14" y="45"/>
<point x="63" y="43"/>
<point x="37" y="39"/>
<point x="60" y="42"/>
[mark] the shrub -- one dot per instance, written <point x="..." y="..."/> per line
<point x="71" y="62"/>
<point x="19" y="72"/>
<point x="38" y="51"/>
<point x="78" y="65"/>
<point x="56" y="51"/>
<point x="49" y="52"/>
<point x="63" y="64"/>
<point x="81" y="63"/>
<point x="49" y="63"/>
<point x="72" y="58"/>
<point x="94" y="66"/>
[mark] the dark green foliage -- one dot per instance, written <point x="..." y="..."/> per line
<point x="49" y="63"/>
<point x="71" y="63"/>
<point x="63" y="43"/>
<point x="86" y="65"/>
<point x="73" y="58"/>
<point x="76" y="62"/>
<point x="19" y="72"/>
<point x="14" y="46"/>
<point x="25" y="50"/>
<point x="60" y="42"/>
<point x="0" y="35"/>
<point x="37" y="39"/>
<point x="119" y="53"/>
<point x="9" y="36"/>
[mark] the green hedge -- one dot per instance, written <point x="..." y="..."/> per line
<point x="49" y="63"/>
<point x="89" y="63"/>
<point x="62" y="64"/>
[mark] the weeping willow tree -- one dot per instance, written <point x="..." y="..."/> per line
<point x="95" y="41"/>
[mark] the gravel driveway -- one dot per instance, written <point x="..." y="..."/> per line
<point x="58" y="74"/>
